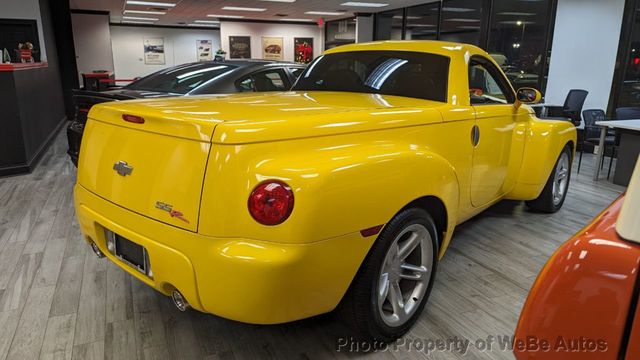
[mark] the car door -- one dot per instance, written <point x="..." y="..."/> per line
<point x="493" y="101"/>
<point x="275" y="79"/>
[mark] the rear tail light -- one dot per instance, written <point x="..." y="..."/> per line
<point x="133" y="119"/>
<point x="271" y="202"/>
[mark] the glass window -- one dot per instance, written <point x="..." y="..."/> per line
<point x="627" y="85"/>
<point x="485" y="86"/>
<point x="462" y="20"/>
<point x="400" y="73"/>
<point x="389" y="25"/>
<point x="422" y="22"/>
<point x="518" y="40"/>
<point x="181" y="79"/>
<point x="269" y="80"/>
<point x="340" y="32"/>
<point x="296" y="72"/>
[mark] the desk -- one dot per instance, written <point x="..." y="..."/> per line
<point x="630" y="127"/>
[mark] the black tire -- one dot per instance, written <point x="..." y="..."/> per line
<point x="359" y="307"/>
<point x="545" y="202"/>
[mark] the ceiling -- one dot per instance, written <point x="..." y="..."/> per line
<point x="195" y="11"/>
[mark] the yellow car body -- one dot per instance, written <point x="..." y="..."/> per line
<point x="352" y="160"/>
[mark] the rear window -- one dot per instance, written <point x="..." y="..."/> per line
<point x="400" y="73"/>
<point x="182" y="79"/>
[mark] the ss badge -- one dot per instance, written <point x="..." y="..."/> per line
<point x="169" y="208"/>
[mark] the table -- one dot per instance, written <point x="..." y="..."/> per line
<point x="631" y="125"/>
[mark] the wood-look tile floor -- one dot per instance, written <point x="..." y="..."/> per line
<point x="58" y="301"/>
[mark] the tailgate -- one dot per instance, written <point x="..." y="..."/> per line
<point x="145" y="167"/>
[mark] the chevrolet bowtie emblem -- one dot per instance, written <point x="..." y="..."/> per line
<point x="122" y="168"/>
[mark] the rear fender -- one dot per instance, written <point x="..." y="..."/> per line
<point x="342" y="184"/>
<point x="545" y="139"/>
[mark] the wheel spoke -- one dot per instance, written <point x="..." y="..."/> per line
<point x="408" y="246"/>
<point x="562" y="174"/>
<point x="415" y="272"/>
<point x="383" y="289"/>
<point x="396" y="300"/>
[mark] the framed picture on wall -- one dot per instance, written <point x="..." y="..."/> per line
<point x="303" y="50"/>
<point x="272" y="48"/>
<point x="154" y="51"/>
<point x="239" y="47"/>
<point x="204" y="49"/>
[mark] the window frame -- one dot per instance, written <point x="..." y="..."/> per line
<point x="497" y="75"/>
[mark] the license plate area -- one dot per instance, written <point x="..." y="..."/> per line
<point x="127" y="251"/>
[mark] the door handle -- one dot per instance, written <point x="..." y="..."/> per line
<point x="475" y="135"/>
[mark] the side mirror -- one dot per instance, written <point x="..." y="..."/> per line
<point x="528" y="95"/>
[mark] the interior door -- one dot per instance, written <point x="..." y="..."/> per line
<point x="492" y="98"/>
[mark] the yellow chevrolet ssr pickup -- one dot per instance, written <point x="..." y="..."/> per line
<point x="343" y="193"/>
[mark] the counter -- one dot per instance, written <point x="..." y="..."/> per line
<point x="32" y="112"/>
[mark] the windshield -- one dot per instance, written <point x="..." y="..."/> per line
<point x="400" y="73"/>
<point x="182" y="79"/>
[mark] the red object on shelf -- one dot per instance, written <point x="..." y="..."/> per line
<point x="22" y="66"/>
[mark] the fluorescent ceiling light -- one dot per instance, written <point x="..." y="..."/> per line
<point x="456" y="9"/>
<point x="225" y="16"/>
<point x="329" y="13"/>
<point x="150" y="3"/>
<point x="212" y="25"/>
<point x="515" y="13"/>
<point x="241" y="8"/>
<point x="364" y="4"/>
<point x="136" y="22"/>
<point x="309" y="20"/>
<point x="140" y="18"/>
<point x="207" y="21"/>
<point x="463" y="20"/>
<point x="420" y="25"/>
<point x="144" y="12"/>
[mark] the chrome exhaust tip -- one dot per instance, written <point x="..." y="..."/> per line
<point x="96" y="250"/>
<point x="179" y="301"/>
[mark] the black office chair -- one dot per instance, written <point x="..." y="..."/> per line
<point x="572" y="106"/>
<point x="591" y="133"/>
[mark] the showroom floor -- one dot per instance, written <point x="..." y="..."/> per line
<point x="57" y="300"/>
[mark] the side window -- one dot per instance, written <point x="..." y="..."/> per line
<point x="245" y="84"/>
<point x="296" y="72"/>
<point x="485" y="88"/>
<point x="271" y="80"/>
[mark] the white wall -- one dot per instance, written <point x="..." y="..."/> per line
<point x="584" y="50"/>
<point x="258" y="30"/>
<point x="92" y="40"/>
<point x="179" y="47"/>
<point x="27" y="10"/>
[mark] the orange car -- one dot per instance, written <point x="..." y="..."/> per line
<point x="584" y="304"/>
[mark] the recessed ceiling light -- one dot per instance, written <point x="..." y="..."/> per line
<point x="289" y="19"/>
<point x="241" y="8"/>
<point x="456" y="9"/>
<point x="207" y="21"/>
<point x="150" y="3"/>
<point x="364" y="4"/>
<point x="136" y="22"/>
<point x="144" y="12"/>
<point x="139" y="18"/>
<point x="328" y="13"/>
<point x="225" y="16"/>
